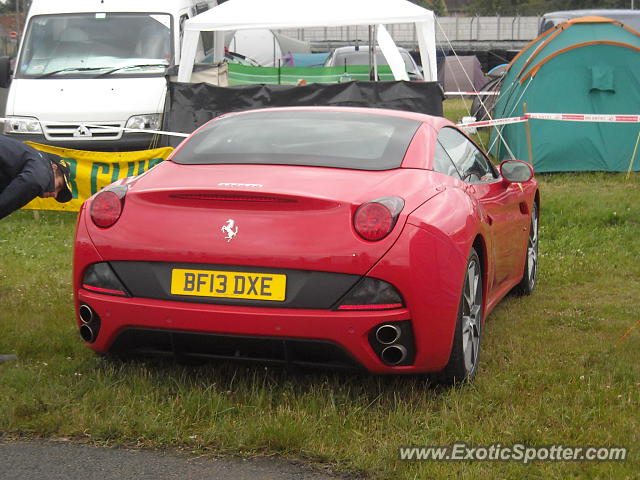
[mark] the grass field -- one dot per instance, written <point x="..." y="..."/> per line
<point x="555" y="368"/>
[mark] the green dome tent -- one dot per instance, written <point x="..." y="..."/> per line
<point x="589" y="65"/>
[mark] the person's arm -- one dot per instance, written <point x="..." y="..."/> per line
<point x="23" y="188"/>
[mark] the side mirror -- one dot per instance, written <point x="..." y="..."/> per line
<point x="516" y="171"/>
<point x="5" y="72"/>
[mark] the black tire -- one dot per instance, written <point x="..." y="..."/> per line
<point x="530" y="276"/>
<point x="465" y="351"/>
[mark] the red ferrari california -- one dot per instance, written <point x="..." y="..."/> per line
<point x="336" y="237"/>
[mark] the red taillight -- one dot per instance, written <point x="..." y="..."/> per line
<point x="106" y="207"/>
<point x="374" y="220"/>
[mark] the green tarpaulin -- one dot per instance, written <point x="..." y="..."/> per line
<point x="589" y="65"/>
<point x="245" y="74"/>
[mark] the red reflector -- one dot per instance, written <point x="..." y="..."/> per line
<point x="373" y="221"/>
<point x="106" y="209"/>
<point x="387" y="306"/>
<point x="104" y="290"/>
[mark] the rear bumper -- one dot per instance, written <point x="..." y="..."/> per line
<point x="349" y="331"/>
<point x="430" y="285"/>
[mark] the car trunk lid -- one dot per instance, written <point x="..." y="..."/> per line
<point x="257" y="215"/>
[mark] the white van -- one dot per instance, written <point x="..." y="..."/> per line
<point x="87" y="64"/>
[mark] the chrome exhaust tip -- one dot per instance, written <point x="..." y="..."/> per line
<point x="387" y="334"/>
<point x="394" y="354"/>
<point x="85" y="312"/>
<point x="86" y="332"/>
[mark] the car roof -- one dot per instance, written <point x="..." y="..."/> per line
<point x="626" y="16"/>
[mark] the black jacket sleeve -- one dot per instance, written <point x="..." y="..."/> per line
<point x="26" y="186"/>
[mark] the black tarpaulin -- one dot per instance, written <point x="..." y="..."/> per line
<point x="189" y="105"/>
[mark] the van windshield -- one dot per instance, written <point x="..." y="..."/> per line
<point x="96" y="44"/>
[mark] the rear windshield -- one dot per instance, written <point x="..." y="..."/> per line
<point x="312" y="138"/>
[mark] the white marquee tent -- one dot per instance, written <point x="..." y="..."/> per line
<point x="276" y="14"/>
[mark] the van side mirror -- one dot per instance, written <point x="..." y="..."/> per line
<point x="516" y="171"/>
<point x="5" y="72"/>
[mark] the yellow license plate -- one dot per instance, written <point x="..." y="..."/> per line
<point x="209" y="283"/>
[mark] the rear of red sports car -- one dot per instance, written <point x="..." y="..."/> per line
<point x="282" y="236"/>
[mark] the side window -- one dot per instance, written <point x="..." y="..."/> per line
<point x="442" y="162"/>
<point x="470" y="162"/>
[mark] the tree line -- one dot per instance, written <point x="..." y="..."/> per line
<point x="516" y="7"/>
<point x="442" y="7"/>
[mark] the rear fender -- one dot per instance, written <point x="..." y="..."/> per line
<point x="438" y="241"/>
<point x="428" y="270"/>
<point x="84" y="252"/>
<point x="456" y="217"/>
<point x="453" y="216"/>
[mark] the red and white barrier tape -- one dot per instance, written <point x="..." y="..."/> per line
<point x="497" y="121"/>
<point x="587" y="117"/>
<point x="564" y="117"/>
<point x="472" y="93"/>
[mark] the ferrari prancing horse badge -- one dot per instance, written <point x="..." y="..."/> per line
<point x="229" y="230"/>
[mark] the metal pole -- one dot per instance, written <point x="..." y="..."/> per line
<point x="375" y="57"/>
<point x="371" y="73"/>
<point x="528" y="130"/>
<point x="274" y="54"/>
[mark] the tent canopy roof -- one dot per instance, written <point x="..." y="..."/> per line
<point x="279" y="14"/>
<point x="563" y="38"/>
<point x="274" y="14"/>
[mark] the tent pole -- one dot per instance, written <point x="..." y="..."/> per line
<point x="371" y="53"/>
<point x="528" y="127"/>
<point x="274" y="51"/>
<point x="375" y="57"/>
<point x="633" y="158"/>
